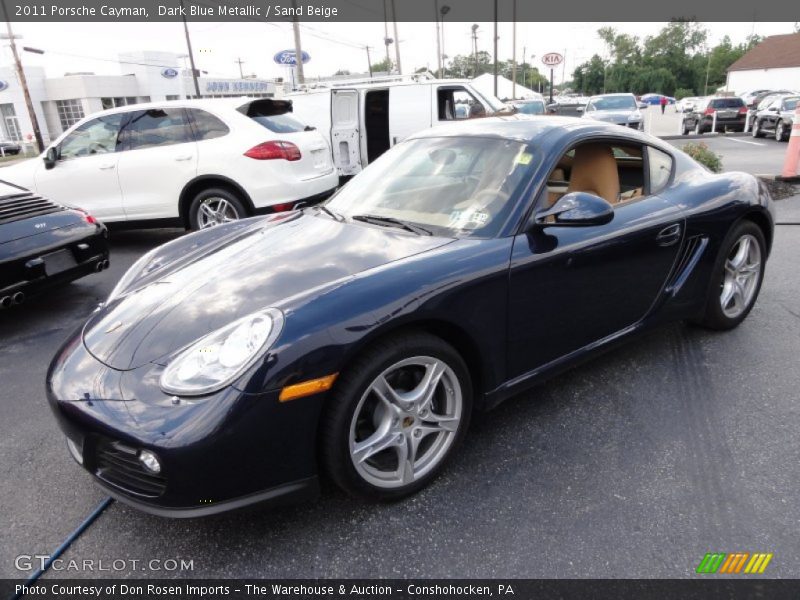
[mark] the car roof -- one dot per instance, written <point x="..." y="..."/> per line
<point x="208" y="103"/>
<point x="614" y="94"/>
<point x="524" y="128"/>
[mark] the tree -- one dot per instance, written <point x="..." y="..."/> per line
<point x="467" y="66"/>
<point x="342" y="72"/>
<point x="384" y="66"/>
<point x="590" y="77"/>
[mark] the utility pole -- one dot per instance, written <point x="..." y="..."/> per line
<point x="240" y="62"/>
<point x="475" y="49"/>
<point x="495" y="48"/>
<point x="298" y="50"/>
<point x="369" y="62"/>
<point x="191" y="54"/>
<point x="37" y="134"/>
<point x="443" y="11"/>
<point x="514" y="50"/>
<point x="386" y="39"/>
<point x="396" y="41"/>
<point x="438" y="42"/>
<point x="708" y="70"/>
<point x="524" y="67"/>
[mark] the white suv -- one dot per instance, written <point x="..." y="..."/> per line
<point x="195" y="163"/>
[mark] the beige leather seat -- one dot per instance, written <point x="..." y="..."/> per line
<point x="594" y="170"/>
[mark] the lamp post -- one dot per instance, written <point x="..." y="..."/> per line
<point x="443" y="11"/>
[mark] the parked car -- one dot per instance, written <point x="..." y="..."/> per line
<point x="193" y="163"/>
<point x="776" y="117"/>
<point x="12" y="148"/>
<point x="731" y="114"/>
<point x="686" y="104"/>
<point x="756" y="99"/>
<point x="621" y="109"/>
<point x="356" y="337"/>
<point x="43" y="243"/>
<point x="528" y="107"/>
<point x="655" y="99"/>
<point x="751" y="98"/>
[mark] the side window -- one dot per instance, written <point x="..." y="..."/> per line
<point x="206" y="125"/>
<point x="156" y="127"/>
<point x="98" y="136"/>
<point x="660" y="167"/>
<point x="458" y="103"/>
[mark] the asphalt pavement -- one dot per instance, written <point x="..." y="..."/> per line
<point x="636" y="464"/>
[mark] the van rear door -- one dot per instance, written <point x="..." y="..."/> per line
<point x="345" y="128"/>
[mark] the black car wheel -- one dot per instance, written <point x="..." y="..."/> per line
<point x="737" y="276"/>
<point x="684" y="128"/>
<point x="396" y="416"/>
<point x="698" y="130"/>
<point x="215" y="206"/>
<point x="756" y="128"/>
<point x="780" y="131"/>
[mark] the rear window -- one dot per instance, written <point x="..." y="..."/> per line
<point x="726" y="103"/>
<point x="274" y="115"/>
<point x="206" y="125"/>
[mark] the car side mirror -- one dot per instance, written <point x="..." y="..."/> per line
<point x="643" y="105"/>
<point x="773" y="109"/>
<point x="580" y="109"/>
<point x="576" y="209"/>
<point x="50" y="157"/>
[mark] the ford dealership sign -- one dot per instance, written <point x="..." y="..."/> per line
<point x="169" y="73"/>
<point x="289" y="57"/>
<point x="3" y="85"/>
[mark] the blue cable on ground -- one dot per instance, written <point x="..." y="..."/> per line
<point x="67" y="542"/>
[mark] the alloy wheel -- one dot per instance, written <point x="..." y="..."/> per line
<point x="405" y="422"/>
<point x="215" y="211"/>
<point x="779" y="131"/>
<point x="742" y="272"/>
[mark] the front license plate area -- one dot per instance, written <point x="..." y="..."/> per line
<point x="58" y="262"/>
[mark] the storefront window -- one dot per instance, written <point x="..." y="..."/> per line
<point x="69" y="112"/>
<point x="10" y="123"/>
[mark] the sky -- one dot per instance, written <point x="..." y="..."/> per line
<point x="93" y="47"/>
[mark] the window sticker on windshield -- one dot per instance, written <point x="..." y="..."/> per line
<point x="524" y="158"/>
<point x="468" y="219"/>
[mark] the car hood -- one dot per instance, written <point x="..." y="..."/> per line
<point x="612" y="116"/>
<point x="232" y="277"/>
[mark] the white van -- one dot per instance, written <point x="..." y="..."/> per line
<point x="362" y="121"/>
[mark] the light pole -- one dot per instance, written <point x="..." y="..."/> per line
<point x="191" y="55"/>
<point x="443" y="11"/>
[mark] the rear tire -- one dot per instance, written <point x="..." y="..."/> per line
<point x="380" y="441"/>
<point x="697" y="129"/>
<point x="215" y="206"/>
<point x="756" y="129"/>
<point x="736" y="278"/>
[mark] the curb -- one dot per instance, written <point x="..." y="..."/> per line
<point x="701" y="136"/>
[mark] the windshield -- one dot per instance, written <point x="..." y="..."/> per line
<point x="614" y="103"/>
<point x="535" y="107"/>
<point x="451" y="186"/>
<point x="492" y="101"/>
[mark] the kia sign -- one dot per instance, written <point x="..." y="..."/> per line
<point x="289" y="57"/>
<point x="552" y="59"/>
<point x="169" y="73"/>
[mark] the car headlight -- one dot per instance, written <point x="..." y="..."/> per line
<point x="635" y="117"/>
<point x="216" y="360"/>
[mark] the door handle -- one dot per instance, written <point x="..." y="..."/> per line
<point x="669" y="235"/>
<point x="186" y="157"/>
<point x="106" y="167"/>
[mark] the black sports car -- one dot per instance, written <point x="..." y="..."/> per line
<point x="43" y="243"/>
<point x="358" y="337"/>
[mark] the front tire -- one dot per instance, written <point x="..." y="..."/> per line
<point x="737" y="276"/>
<point x="756" y="129"/>
<point x="780" y="131"/>
<point x="395" y="417"/>
<point x="215" y="206"/>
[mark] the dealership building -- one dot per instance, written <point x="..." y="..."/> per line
<point x="145" y="76"/>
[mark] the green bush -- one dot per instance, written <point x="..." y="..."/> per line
<point x="704" y="155"/>
<point x="682" y="93"/>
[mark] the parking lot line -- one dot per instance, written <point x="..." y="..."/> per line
<point x="745" y="141"/>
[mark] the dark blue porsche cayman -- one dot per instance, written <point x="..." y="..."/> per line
<point x="355" y="339"/>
